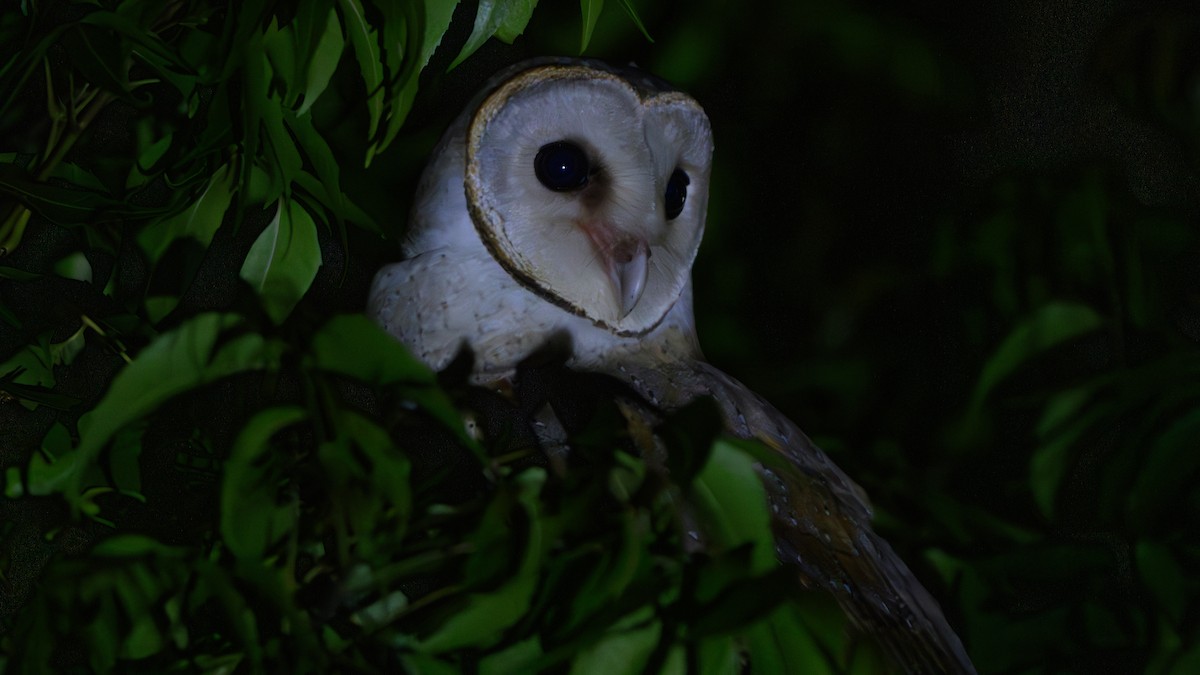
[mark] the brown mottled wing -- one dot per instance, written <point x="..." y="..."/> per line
<point x="822" y="524"/>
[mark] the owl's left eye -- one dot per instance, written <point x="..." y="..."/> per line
<point x="561" y="166"/>
<point x="676" y="193"/>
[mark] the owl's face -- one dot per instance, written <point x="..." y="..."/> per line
<point x="591" y="190"/>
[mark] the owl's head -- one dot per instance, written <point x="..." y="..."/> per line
<point x="589" y="184"/>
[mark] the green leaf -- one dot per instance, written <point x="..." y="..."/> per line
<point x="152" y="152"/>
<point x="370" y="475"/>
<point x="1060" y="431"/>
<point x="130" y="546"/>
<point x="63" y="353"/>
<point x="1169" y="472"/>
<point x="435" y="22"/>
<point x="626" y="648"/>
<point x="637" y="20"/>
<point x="320" y="156"/>
<point x="279" y="45"/>
<point x="783" y="644"/>
<point x="718" y="656"/>
<point x="1175" y="655"/>
<point x="78" y="176"/>
<point x="32" y="396"/>
<point x="100" y="55"/>
<point x="518" y="658"/>
<point x="157" y="307"/>
<point x="8" y="317"/>
<point x="74" y="266"/>
<point x="488" y="17"/>
<point x="366" y="51"/>
<point x="185" y="358"/>
<point x="1164" y="576"/>
<point x="280" y="157"/>
<point x="28" y="374"/>
<point x="611" y="581"/>
<point x="742" y="600"/>
<point x="68" y="206"/>
<point x="381" y="612"/>
<point x="731" y="505"/>
<point x="325" y="58"/>
<point x="516" y="18"/>
<point x="15" y="274"/>
<point x="176" y="246"/>
<point x="268" y="145"/>
<point x="1061" y="408"/>
<point x="254" y="515"/>
<point x="486" y="615"/>
<point x="124" y="459"/>
<point x="32" y="364"/>
<point x="146" y="44"/>
<point x="1049" y="326"/>
<point x="590" y="10"/>
<point x="199" y="221"/>
<point x="343" y="209"/>
<point x="351" y="344"/>
<point x="283" y="261"/>
<point x="424" y="664"/>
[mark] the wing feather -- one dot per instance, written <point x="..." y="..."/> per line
<point x="822" y="523"/>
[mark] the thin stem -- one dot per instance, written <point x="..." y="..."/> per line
<point x="75" y="131"/>
<point x="13" y="228"/>
<point x="513" y="456"/>
<point x="65" y="132"/>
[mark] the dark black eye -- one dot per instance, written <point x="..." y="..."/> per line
<point x="676" y="194"/>
<point x="561" y="166"/>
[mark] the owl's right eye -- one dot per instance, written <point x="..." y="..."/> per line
<point x="561" y="166"/>
<point x="676" y="193"/>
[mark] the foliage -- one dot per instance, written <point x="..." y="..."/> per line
<point x="262" y="488"/>
<point x="212" y="463"/>
<point x="324" y="552"/>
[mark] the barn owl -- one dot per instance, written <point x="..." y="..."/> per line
<point x="570" y="199"/>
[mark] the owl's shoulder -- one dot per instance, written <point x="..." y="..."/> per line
<point x="439" y="300"/>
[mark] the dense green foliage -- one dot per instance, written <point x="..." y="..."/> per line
<point x="270" y="489"/>
<point x="212" y="462"/>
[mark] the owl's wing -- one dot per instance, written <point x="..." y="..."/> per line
<point x="822" y="524"/>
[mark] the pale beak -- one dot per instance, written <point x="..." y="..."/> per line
<point x="626" y="260"/>
<point x="628" y="269"/>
